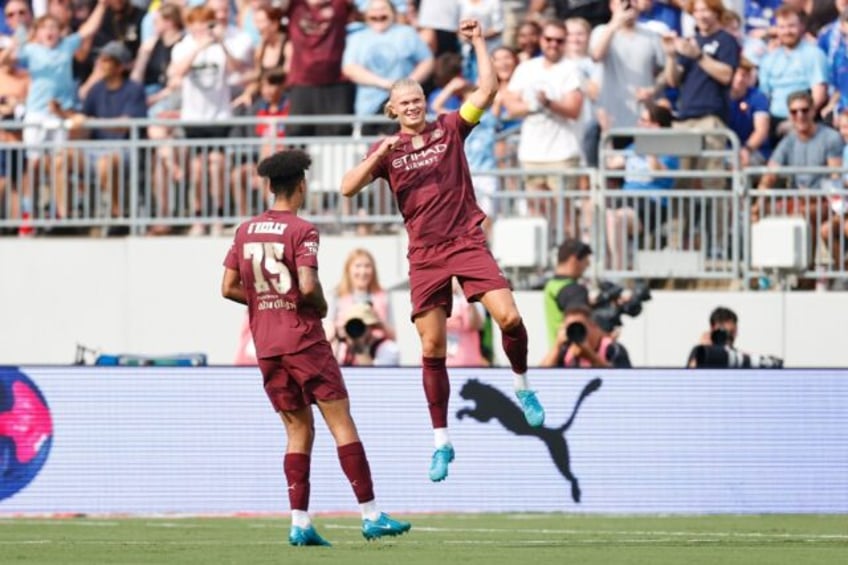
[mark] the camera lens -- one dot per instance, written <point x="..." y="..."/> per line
<point x="354" y="328"/>
<point x="576" y="332"/>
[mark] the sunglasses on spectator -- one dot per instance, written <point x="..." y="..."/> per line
<point x="799" y="111"/>
<point x="557" y="40"/>
<point x="378" y="18"/>
<point x="18" y="13"/>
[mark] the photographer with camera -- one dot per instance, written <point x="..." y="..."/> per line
<point x="361" y="342"/>
<point x="580" y="342"/>
<point x="564" y="290"/>
<point x="716" y="350"/>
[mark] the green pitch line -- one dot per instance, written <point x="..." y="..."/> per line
<point x="466" y="539"/>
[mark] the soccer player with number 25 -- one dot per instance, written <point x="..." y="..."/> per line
<point x="426" y="168"/>
<point x="272" y="267"/>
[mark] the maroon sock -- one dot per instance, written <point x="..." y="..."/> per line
<point x="436" y="389"/>
<point x="296" y="467"/>
<point x="514" y="343"/>
<point x="356" y="469"/>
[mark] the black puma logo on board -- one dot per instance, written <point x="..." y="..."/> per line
<point x="492" y="403"/>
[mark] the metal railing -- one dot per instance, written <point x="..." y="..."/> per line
<point x="155" y="183"/>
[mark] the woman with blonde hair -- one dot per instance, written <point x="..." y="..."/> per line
<point x="360" y="284"/>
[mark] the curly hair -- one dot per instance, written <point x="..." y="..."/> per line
<point x="285" y="170"/>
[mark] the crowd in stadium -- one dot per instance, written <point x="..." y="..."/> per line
<point x="568" y="71"/>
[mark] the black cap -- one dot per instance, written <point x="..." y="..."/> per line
<point x="573" y="247"/>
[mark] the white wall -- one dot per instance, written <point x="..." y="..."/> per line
<point x="155" y="296"/>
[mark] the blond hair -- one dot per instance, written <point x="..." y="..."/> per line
<point x="346" y="285"/>
<point x="399" y="84"/>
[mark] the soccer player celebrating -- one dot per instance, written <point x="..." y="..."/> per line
<point x="426" y="168"/>
<point x="272" y="267"/>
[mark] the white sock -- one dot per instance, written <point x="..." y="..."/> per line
<point x="440" y="437"/>
<point x="301" y="519"/>
<point x="519" y="382"/>
<point x="369" y="510"/>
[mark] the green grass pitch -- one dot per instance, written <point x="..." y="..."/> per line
<point x="466" y="539"/>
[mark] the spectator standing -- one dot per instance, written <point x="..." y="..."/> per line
<point x="113" y="97"/>
<point x="202" y="61"/>
<point x="163" y="101"/>
<point x="702" y="67"/>
<point x="546" y="93"/>
<point x="49" y="60"/>
<point x="749" y="116"/>
<point x="121" y="22"/>
<point x="380" y="54"/>
<point x="270" y="57"/>
<point x="795" y="65"/>
<point x="238" y="43"/>
<point x="318" y="32"/>
<point x="631" y="57"/>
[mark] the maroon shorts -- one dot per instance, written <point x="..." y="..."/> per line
<point x="467" y="258"/>
<point x="298" y="380"/>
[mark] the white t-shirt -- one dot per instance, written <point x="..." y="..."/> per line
<point x="205" y="92"/>
<point x="546" y="136"/>
<point x="439" y="14"/>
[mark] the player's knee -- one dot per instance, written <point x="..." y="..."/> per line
<point x="433" y="347"/>
<point x="509" y="320"/>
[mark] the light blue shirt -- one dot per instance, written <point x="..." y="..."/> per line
<point x="480" y="144"/>
<point x="783" y="72"/>
<point x="392" y="54"/>
<point x="51" y="73"/>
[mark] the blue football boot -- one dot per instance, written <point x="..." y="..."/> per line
<point x="306" y="536"/>
<point x="384" y="526"/>
<point x="439" y="465"/>
<point x="533" y="411"/>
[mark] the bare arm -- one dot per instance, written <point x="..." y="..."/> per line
<point x="231" y="287"/>
<point x="454" y="87"/>
<point x="422" y="70"/>
<point x="569" y="106"/>
<point x="769" y="179"/>
<point x="92" y="24"/>
<point x="310" y="289"/>
<point x="819" y="95"/>
<point x="361" y="175"/>
<point x="487" y="80"/>
<point x="141" y="60"/>
<point x="362" y="76"/>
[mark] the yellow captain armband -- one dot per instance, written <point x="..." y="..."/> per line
<point x="470" y="113"/>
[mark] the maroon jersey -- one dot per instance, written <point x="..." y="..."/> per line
<point x="318" y="30"/>
<point x="429" y="175"/>
<point x="266" y="251"/>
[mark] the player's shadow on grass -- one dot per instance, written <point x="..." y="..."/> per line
<point x="492" y="403"/>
